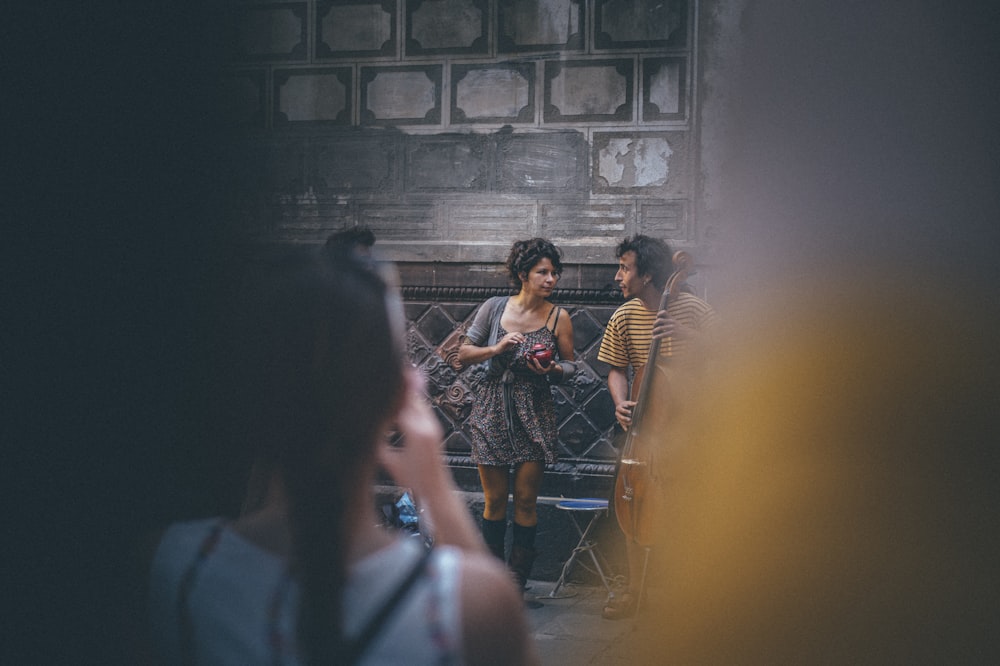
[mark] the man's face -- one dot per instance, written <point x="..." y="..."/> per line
<point x="628" y="278"/>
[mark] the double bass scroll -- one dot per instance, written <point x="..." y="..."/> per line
<point x="633" y="483"/>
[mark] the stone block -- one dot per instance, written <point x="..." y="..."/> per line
<point x="269" y="32"/>
<point x="496" y="222"/>
<point x="401" y="95"/>
<point x="501" y="93"/>
<point x="447" y="27"/>
<point x="243" y="95"/>
<point x="355" y="28"/>
<point x="667" y="220"/>
<point x="605" y="223"/>
<point x="313" y="96"/>
<point x="457" y="162"/>
<point x="589" y="90"/>
<point x="310" y="222"/>
<point x="357" y="162"/>
<point x="620" y="24"/>
<point x="410" y="222"/>
<point x="641" y="162"/>
<point x="547" y="162"/>
<point x="664" y="89"/>
<point x="540" y="25"/>
<point x="283" y="162"/>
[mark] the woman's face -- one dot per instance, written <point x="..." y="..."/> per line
<point x="540" y="279"/>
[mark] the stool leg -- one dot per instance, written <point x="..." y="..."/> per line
<point x="600" y="569"/>
<point x="562" y="574"/>
<point x="582" y="545"/>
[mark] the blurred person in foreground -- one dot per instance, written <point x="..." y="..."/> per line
<point x="831" y="490"/>
<point x="309" y="576"/>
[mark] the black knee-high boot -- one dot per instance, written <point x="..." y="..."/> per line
<point x="522" y="553"/>
<point x="494" y="532"/>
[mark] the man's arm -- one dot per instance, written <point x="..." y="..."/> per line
<point x="618" y="387"/>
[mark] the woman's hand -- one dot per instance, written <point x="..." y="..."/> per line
<point x="418" y="461"/>
<point x="538" y="368"/>
<point x="508" y="341"/>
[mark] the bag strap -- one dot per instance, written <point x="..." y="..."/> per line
<point x="359" y="645"/>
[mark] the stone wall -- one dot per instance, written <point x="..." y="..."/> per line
<point x="452" y="127"/>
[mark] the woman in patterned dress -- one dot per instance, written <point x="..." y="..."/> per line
<point x="513" y="422"/>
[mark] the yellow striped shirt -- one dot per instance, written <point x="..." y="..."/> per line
<point x="629" y="333"/>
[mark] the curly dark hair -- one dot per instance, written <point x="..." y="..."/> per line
<point x="652" y="257"/>
<point x="524" y="254"/>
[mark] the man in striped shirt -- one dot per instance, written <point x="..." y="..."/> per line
<point x="644" y="265"/>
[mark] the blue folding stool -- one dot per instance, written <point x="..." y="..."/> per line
<point x="597" y="508"/>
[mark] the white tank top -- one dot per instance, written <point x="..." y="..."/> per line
<point x="241" y="604"/>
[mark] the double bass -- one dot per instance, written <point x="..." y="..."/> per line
<point x="634" y="482"/>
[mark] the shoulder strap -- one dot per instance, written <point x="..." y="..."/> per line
<point x="359" y="645"/>
<point x="184" y="621"/>
<point x="558" y="311"/>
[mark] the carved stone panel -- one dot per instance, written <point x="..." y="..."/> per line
<point x="355" y="28"/>
<point x="549" y="162"/>
<point x="402" y="95"/>
<point x="275" y="31"/>
<point x="640" y="24"/>
<point x="540" y="25"/>
<point x="447" y="26"/>
<point x="588" y="90"/>
<point x="503" y="92"/>
<point x="447" y="162"/>
<point x="641" y="163"/>
<point x="664" y="89"/>
<point x="313" y="96"/>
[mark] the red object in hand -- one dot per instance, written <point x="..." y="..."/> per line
<point x="542" y="354"/>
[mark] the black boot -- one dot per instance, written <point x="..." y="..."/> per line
<point x="493" y="534"/>
<point x="521" y="559"/>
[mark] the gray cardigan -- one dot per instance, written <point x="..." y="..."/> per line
<point x="484" y="332"/>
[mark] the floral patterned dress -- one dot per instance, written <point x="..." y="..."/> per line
<point x="514" y="417"/>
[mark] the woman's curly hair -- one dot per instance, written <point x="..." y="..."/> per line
<point x="524" y="254"/>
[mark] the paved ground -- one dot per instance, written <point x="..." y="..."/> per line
<point x="572" y="632"/>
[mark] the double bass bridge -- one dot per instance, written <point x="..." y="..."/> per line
<point x="630" y="466"/>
